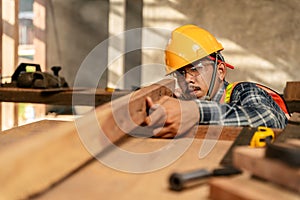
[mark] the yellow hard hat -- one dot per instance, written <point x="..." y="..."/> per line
<point x="187" y="44"/>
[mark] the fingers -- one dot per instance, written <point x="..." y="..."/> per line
<point x="164" y="132"/>
<point x="157" y="114"/>
<point x="167" y="135"/>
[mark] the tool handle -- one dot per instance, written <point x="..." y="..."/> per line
<point x="179" y="180"/>
<point x="226" y="171"/>
<point x="56" y="70"/>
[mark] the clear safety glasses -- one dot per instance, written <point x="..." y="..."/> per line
<point x="196" y="68"/>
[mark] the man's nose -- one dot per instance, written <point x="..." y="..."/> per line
<point x="189" y="78"/>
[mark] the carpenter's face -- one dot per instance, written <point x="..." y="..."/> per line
<point x="194" y="79"/>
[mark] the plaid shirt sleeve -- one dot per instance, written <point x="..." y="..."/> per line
<point x="249" y="106"/>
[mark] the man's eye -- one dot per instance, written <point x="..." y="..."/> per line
<point x="193" y="69"/>
<point x="182" y="72"/>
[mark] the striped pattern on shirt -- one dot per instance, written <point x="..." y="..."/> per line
<point x="249" y="106"/>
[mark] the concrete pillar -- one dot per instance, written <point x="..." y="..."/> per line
<point x="75" y="28"/>
<point x="133" y="59"/>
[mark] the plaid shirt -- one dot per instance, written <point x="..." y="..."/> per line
<point x="249" y="106"/>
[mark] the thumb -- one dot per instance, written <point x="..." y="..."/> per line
<point x="156" y="113"/>
<point x="149" y="102"/>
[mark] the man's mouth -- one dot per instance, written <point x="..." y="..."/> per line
<point x="194" y="88"/>
<point x="191" y="92"/>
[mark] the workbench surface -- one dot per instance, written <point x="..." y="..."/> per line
<point x="94" y="180"/>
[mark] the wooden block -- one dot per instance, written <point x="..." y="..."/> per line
<point x="293" y="105"/>
<point x="293" y="142"/>
<point x="292" y="96"/>
<point x="242" y="138"/>
<point x="292" y="91"/>
<point x="253" y="160"/>
<point x="34" y="162"/>
<point x="59" y="96"/>
<point x="292" y="130"/>
<point x="245" y="188"/>
<point x="295" y="118"/>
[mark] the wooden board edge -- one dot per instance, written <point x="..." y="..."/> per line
<point x="35" y="163"/>
<point x="253" y="161"/>
<point x="243" y="187"/>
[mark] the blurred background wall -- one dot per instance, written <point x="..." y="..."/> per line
<point x="260" y="37"/>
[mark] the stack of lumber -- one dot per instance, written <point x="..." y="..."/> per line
<point x="264" y="177"/>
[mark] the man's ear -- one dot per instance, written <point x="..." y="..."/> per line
<point x="222" y="70"/>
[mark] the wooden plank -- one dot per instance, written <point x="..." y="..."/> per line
<point x="228" y="132"/>
<point x="31" y="131"/>
<point x="10" y="43"/>
<point x="98" y="181"/>
<point x="43" y="159"/>
<point x="245" y="188"/>
<point x="63" y="96"/>
<point x="40" y="28"/>
<point x="292" y="130"/>
<point x="293" y="105"/>
<point x="292" y="95"/>
<point x="40" y="41"/>
<point x="293" y="142"/>
<point x="10" y="39"/>
<point x="292" y="91"/>
<point x="1" y="33"/>
<point x="253" y="160"/>
<point x="39" y="159"/>
<point x="242" y="138"/>
<point x="28" y="129"/>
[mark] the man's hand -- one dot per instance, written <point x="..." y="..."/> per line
<point x="170" y="117"/>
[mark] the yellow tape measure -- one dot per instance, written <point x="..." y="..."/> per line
<point x="262" y="136"/>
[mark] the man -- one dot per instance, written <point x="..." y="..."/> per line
<point x="193" y="57"/>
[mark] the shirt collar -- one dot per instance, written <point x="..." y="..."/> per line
<point x="220" y="92"/>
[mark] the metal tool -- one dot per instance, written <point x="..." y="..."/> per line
<point x="262" y="136"/>
<point x="29" y="75"/>
<point x="179" y="181"/>
<point x="243" y="139"/>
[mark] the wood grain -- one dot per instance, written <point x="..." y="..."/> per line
<point x="292" y="91"/>
<point x="246" y="188"/>
<point x="253" y="160"/>
<point x="99" y="181"/>
<point x="34" y="162"/>
<point x="59" y="96"/>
